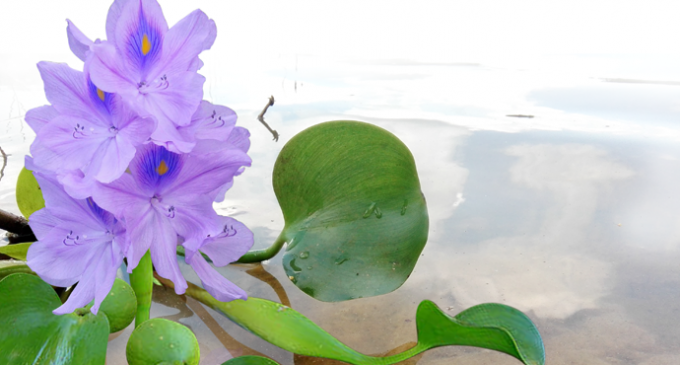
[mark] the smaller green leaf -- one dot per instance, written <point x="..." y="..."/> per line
<point x="29" y="195"/>
<point x="12" y="267"/>
<point x="250" y="360"/>
<point x="161" y="341"/>
<point x="120" y="306"/>
<point x="32" y="334"/>
<point x="490" y="326"/>
<point x="16" y="251"/>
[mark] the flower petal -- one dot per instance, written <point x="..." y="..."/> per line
<point x="111" y="73"/>
<point x="79" y="43"/>
<point x="185" y="40"/>
<point x="116" y="154"/>
<point x="61" y="205"/>
<point x="173" y="100"/>
<point x="140" y="231"/>
<point x="230" y="244"/>
<point x="73" y="140"/>
<point x="76" y="183"/>
<point x="168" y="136"/>
<point x="195" y="218"/>
<point x="59" y="263"/>
<point x="131" y="126"/>
<point x="40" y="116"/>
<point x="203" y="174"/>
<point x="210" y="122"/>
<point x="217" y="285"/>
<point x="121" y="197"/>
<point x="112" y="17"/>
<point x="65" y="88"/>
<point x="139" y="34"/>
<point x="95" y="283"/>
<point x="164" y="249"/>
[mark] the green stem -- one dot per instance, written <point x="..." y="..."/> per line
<point x="141" y="280"/>
<point x="264" y="254"/>
<point x="252" y="256"/>
<point x="244" y="312"/>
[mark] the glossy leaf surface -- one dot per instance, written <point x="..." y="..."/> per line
<point x="16" y="251"/>
<point x="356" y="220"/>
<point x="161" y="341"/>
<point x="31" y="334"/>
<point x="119" y="306"/>
<point x="29" y="196"/>
<point x="491" y="326"/>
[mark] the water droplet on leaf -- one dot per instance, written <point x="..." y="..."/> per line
<point x="369" y="210"/>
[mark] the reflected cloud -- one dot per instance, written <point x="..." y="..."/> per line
<point x="548" y="268"/>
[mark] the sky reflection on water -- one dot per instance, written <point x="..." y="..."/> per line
<point x="572" y="216"/>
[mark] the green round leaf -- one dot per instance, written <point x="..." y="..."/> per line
<point x="161" y="341"/>
<point x="356" y="220"/>
<point x="31" y="334"/>
<point x="29" y="195"/>
<point x="120" y="306"/>
<point x="250" y="360"/>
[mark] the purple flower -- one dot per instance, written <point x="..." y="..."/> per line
<point x="78" y="42"/>
<point x="213" y="127"/>
<point x="77" y="242"/>
<point x="224" y="247"/>
<point x="86" y="134"/>
<point x="153" y="67"/>
<point x="167" y="195"/>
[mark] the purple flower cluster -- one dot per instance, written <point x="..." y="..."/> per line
<point x="130" y="158"/>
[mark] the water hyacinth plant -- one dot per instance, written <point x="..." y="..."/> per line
<point x="126" y="165"/>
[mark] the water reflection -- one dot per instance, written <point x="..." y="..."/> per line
<point x="572" y="216"/>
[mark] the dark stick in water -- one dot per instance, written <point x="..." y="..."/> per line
<point x="261" y="118"/>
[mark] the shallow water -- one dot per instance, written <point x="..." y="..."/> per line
<point x="571" y="216"/>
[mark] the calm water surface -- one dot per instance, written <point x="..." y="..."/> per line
<point x="572" y="216"/>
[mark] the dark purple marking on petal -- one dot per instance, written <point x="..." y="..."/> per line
<point x="107" y="219"/>
<point x="144" y="44"/>
<point x="72" y="239"/>
<point x="159" y="84"/>
<point x="79" y="131"/>
<point x="157" y="167"/>
<point x="99" y="98"/>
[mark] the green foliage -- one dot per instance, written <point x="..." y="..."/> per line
<point x="356" y="220"/>
<point x="141" y="280"/>
<point x="491" y="326"/>
<point x="29" y="196"/>
<point x="161" y="341"/>
<point x="31" y="334"/>
<point x="12" y="267"/>
<point x="16" y="251"/>
<point x="250" y="360"/>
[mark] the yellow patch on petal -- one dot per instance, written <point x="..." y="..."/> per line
<point x="146" y="45"/>
<point x="162" y="168"/>
<point x="101" y="94"/>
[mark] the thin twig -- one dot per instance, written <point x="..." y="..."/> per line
<point x="261" y="118"/>
<point x="4" y="163"/>
<point x="17" y="226"/>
